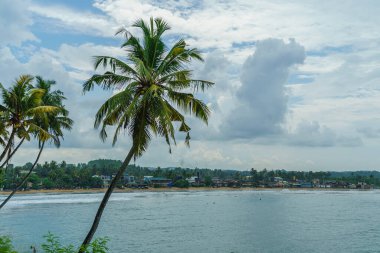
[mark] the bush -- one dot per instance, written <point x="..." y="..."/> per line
<point x="182" y="183"/>
<point x="6" y="245"/>
<point x="208" y="181"/>
<point x="53" y="245"/>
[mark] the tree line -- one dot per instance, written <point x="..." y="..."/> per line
<point x="60" y="175"/>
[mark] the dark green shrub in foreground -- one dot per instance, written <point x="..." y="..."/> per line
<point x="53" y="245"/>
<point x="6" y="245"/>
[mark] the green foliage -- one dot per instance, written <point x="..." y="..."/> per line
<point x="182" y="183"/>
<point x="208" y="181"/>
<point x="108" y="164"/>
<point x="53" y="245"/>
<point x="99" y="245"/>
<point x="55" y="175"/>
<point x="6" y="245"/>
<point x="21" y="103"/>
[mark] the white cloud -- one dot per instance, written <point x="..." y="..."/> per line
<point x="59" y="18"/>
<point x="15" y="22"/>
<point x="262" y="97"/>
<point x="79" y="59"/>
<point x="299" y="125"/>
<point x="312" y="134"/>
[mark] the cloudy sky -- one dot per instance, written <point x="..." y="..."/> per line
<point x="297" y="82"/>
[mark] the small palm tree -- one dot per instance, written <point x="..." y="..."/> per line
<point x="154" y="87"/>
<point x="21" y="103"/>
<point x="52" y="122"/>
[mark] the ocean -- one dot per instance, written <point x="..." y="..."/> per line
<point x="203" y="221"/>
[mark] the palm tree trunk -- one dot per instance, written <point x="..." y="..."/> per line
<point x="9" y="144"/>
<point x="106" y="197"/>
<point x="11" y="154"/>
<point x="25" y="178"/>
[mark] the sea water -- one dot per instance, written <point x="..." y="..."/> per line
<point x="203" y="221"/>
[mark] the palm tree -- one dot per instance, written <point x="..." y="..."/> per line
<point x="153" y="87"/>
<point x="3" y="134"/>
<point x="52" y="123"/>
<point x="3" y="142"/>
<point x="21" y="103"/>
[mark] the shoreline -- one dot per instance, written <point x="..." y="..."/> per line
<point x="173" y="189"/>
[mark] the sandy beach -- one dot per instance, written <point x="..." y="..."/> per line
<point x="172" y="189"/>
<point x="97" y="190"/>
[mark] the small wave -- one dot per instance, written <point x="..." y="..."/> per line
<point x="62" y="199"/>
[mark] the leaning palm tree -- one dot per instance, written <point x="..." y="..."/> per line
<point x="53" y="123"/>
<point x="3" y="134"/>
<point x="154" y="87"/>
<point x="3" y="142"/>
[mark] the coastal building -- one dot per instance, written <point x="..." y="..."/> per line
<point x="146" y="179"/>
<point x="306" y="185"/>
<point x="352" y="186"/>
<point x="217" y="182"/>
<point x="233" y="183"/>
<point x="363" y="185"/>
<point x="127" y="179"/>
<point x="106" y="180"/>
<point x="193" y="180"/>
<point x="316" y="183"/>
<point x="158" y="181"/>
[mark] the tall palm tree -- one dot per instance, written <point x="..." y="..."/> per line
<point x="53" y="123"/>
<point x="153" y="87"/>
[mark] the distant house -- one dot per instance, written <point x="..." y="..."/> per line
<point x="233" y="183"/>
<point x="158" y="181"/>
<point x="295" y="185"/>
<point x="316" y="183"/>
<point x="277" y="182"/>
<point x="126" y="179"/>
<point x="362" y="185"/>
<point x="194" y="181"/>
<point x="106" y="180"/>
<point x="352" y="186"/>
<point x="306" y="185"/>
<point x="147" y="179"/>
<point x="217" y="182"/>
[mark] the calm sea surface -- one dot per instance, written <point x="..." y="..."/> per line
<point x="217" y="221"/>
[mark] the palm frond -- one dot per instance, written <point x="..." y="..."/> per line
<point x="109" y="80"/>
